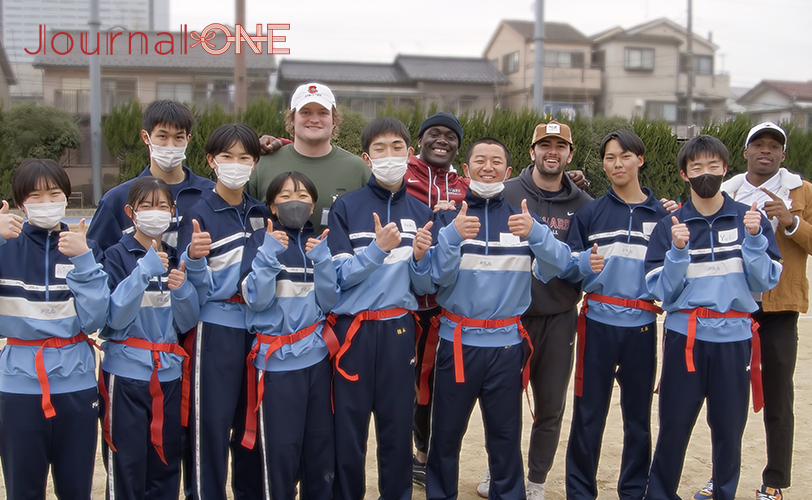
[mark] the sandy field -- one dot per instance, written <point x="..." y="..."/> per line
<point x="697" y="468"/>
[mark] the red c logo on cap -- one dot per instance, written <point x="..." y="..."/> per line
<point x="311" y="89"/>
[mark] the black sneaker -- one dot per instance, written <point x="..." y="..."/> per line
<point x="418" y="472"/>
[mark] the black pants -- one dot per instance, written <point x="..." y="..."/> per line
<point x="422" y="413"/>
<point x="722" y="382"/>
<point x="550" y="369"/>
<point x="627" y="354"/>
<point x="778" y="332"/>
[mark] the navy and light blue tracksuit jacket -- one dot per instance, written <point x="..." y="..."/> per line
<point x="142" y="307"/>
<point x="622" y="232"/>
<point x="488" y="277"/>
<point x="230" y="228"/>
<point x="718" y="268"/>
<point x="371" y="279"/>
<point x="110" y="222"/>
<point x="44" y="294"/>
<point x="288" y="290"/>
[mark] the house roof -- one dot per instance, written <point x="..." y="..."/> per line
<point x="405" y="70"/>
<point x="796" y="91"/>
<point x="120" y="56"/>
<point x="636" y="33"/>
<point x="6" y="67"/>
<point x="553" y="32"/>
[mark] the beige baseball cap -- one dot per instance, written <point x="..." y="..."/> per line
<point x="552" y="129"/>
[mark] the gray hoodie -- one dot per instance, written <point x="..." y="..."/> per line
<point x="558" y="295"/>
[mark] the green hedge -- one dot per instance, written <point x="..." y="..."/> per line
<point x="513" y="128"/>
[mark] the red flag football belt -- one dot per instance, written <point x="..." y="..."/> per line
<point x="459" y="370"/>
<point x="755" y="357"/>
<point x="156" y="426"/>
<point x="236" y="298"/>
<point x="355" y="325"/>
<point x="645" y="305"/>
<point x="256" y="390"/>
<point x="39" y="363"/>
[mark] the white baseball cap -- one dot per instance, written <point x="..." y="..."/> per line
<point x="770" y="128"/>
<point x="312" y="92"/>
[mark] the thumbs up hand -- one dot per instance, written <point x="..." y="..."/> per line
<point x="177" y="276"/>
<point x="521" y="224"/>
<point x="467" y="225"/>
<point x="387" y="237"/>
<point x="73" y="244"/>
<point x="200" y="246"/>
<point x="752" y="219"/>
<point x="596" y="260"/>
<point x="312" y="242"/>
<point x="422" y="241"/>
<point x="10" y="225"/>
<point x="162" y="255"/>
<point x="679" y="233"/>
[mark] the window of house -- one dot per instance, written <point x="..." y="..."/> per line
<point x="703" y="65"/>
<point x="559" y="59"/>
<point x="181" y="92"/>
<point x="642" y="59"/>
<point x="464" y="106"/>
<point x="510" y="63"/>
<point x="666" y="111"/>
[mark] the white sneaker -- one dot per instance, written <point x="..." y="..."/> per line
<point x="484" y="484"/>
<point x="535" y="491"/>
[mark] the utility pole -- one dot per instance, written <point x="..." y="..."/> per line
<point x="689" y="96"/>
<point x="95" y="103"/>
<point x="240" y="91"/>
<point x="538" y="81"/>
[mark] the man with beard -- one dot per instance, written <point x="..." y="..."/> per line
<point x="551" y="318"/>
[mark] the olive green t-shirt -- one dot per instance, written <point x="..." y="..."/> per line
<point x="334" y="174"/>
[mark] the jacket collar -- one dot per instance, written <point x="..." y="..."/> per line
<point x="383" y="193"/>
<point x="475" y="201"/>
<point x="308" y="228"/>
<point x="571" y="191"/>
<point x="132" y="245"/>
<point x="218" y="204"/>
<point x="650" y="203"/>
<point x="39" y="235"/>
<point x="422" y="167"/>
<point x="729" y="209"/>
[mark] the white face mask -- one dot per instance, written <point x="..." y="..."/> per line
<point x="487" y="189"/>
<point x="168" y="158"/>
<point x="390" y="170"/>
<point x="233" y="175"/>
<point x="45" y="215"/>
<point x="152" y="223"/>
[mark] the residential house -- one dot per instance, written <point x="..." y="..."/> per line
<point x="780" y="101"/>
<point x="145" y="65"/>
<point x="571" y="84"/>
<point x="456" y="84"/>
<point x="645" y="73"/>
<point x="140" y="65"/>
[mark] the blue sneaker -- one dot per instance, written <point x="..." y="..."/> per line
<point x="706" y="492"/>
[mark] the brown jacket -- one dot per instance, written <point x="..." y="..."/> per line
<point x="792" y="291"/>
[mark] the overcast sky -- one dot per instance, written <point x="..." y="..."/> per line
<point x="757" y="39"/>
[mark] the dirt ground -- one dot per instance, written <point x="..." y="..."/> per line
<point x="697" y="468"/>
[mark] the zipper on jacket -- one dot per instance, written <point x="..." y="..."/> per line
<point x="487" y="204"/>
<point x="631" y="217"/>
<point x="389" y="208"/>
<point x="47" y="265"/>
<point x="304" y="255"/>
